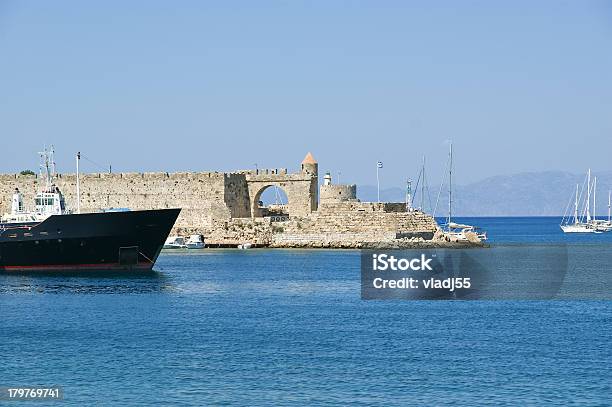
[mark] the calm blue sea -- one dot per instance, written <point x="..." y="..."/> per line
<point x="279" y="327"/>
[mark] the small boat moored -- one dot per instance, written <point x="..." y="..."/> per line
<point x="463" y="232"/>
<point x="195" y="242"/>
<point x="175" y="242"/>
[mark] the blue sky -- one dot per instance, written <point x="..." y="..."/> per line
<point x="170" y="86"/>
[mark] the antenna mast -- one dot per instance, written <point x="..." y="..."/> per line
<point x="48" y="166"/>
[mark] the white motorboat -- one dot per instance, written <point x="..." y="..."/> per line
<point x="195" y="242"/>
<point x="244" y="246"/>
<point x="175" y="242"/>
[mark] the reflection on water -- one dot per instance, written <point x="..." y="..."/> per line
<point x="98" y="282"/>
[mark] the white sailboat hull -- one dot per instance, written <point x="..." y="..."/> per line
<point x="578" y="228"/>
<point x="601" y="226"/>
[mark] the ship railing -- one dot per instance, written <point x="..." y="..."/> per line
<point x="5" y="227"/>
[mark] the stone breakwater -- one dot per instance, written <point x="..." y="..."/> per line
<point x="348" y="225"/>
<point x="226" y="209"/>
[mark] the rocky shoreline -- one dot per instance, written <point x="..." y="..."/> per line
<point x="298" y="233"/>
<point x="384" y="245"/>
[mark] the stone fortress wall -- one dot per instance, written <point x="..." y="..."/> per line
<point x="224" y="207"/>
<point x="202" y="196"/>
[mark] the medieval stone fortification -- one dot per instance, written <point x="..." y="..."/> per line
<point x="226" y="208"/>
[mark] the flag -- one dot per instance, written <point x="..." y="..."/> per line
<point x="379" y="164"/>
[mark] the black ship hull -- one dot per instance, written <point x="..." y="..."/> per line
<point x="108" y="241"/>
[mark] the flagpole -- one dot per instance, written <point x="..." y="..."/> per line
<point x="78" y="183"/>
<point x="377" y="183"/>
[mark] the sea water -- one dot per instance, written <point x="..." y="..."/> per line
<point x="270" y="327"/>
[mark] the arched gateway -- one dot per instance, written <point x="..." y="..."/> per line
<point x="301" y="188"/>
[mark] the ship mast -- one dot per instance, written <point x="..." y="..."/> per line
<point x="48" y="165"/>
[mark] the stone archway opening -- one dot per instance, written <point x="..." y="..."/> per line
<point x="271" y="201"/>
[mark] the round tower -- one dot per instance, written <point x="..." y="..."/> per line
<point x="310" y="165"/>
<point x="310" y="168"/>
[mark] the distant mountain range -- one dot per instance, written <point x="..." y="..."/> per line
<point x="525" y="194"/>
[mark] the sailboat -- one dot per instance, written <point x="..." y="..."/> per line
<point x="601" y="225"/>
<point x="458" y="231"/>
<point x="607" y="226"/>
<point x="581" y="224"/>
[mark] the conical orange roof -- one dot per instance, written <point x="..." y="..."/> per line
<point x="309" y="159"/>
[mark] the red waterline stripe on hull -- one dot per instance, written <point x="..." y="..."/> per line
<point x="48" y="267"/>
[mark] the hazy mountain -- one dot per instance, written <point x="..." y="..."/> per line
<point x="525" y="194"/>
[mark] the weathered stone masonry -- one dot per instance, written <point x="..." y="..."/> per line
<point x="205" y="196"/>
<point x="224" y="206"/>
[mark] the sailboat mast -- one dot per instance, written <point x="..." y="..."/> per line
<point x="609" y="192"/>
<point x="423" y="186"/>
<point x="594" y="196"/>
<point x="450" y="184"/>
<point x="588" y="200"/>
<point x="576" y="207"/>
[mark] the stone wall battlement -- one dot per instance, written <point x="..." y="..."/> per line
<point x="264" y="171"/>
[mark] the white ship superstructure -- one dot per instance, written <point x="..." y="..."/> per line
<point x="48" y="201"/>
